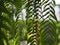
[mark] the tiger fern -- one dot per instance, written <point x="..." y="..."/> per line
<point x="40" y="22"/>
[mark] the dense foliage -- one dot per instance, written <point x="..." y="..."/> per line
<point x="39" y="28"/>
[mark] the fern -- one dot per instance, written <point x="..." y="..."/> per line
<point x="40" y="22"/>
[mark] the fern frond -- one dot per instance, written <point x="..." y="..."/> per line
<point x="41" y="13"/>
